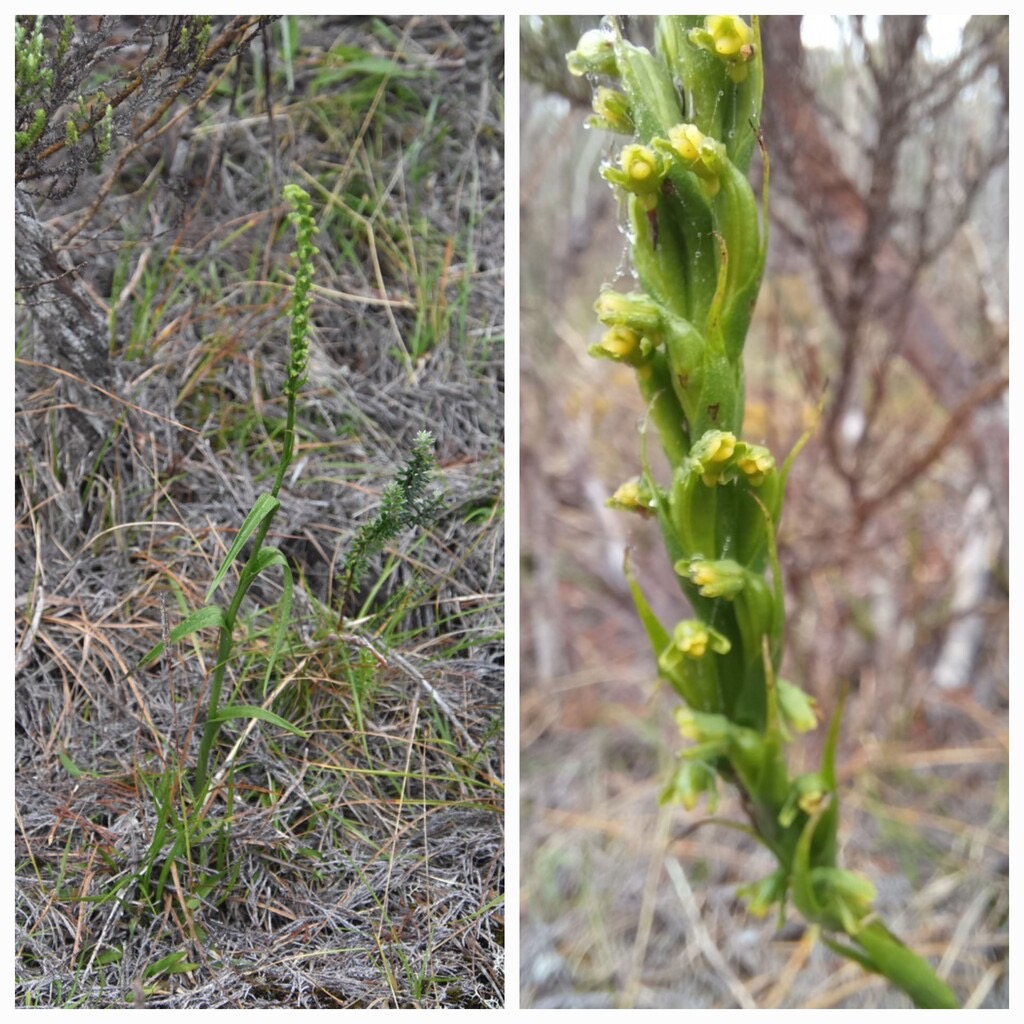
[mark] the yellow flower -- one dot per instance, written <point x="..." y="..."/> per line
<point x="762" y="896"/>
<point x="686" y="140"/>
<point x="722" y="447"/>
<point x="755" y="462"/>
<point x="691" y="639"/>
<point x="632" y="497"/>
<point x="730" y="39"/>
<point x="639" y="162"/>
<point x="693" y="642"/>
<point x="716" y="579"/>
<point x="699" y="153"/>
<point x="690" y="781"/>
<point x="712" y="456"/>
<point x="730" y="34"/>
<point x="640" y="172"/>
<point x="620" y="341"/>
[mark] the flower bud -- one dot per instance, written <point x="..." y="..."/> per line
<point x="594" y="55"/>
<point x="699" y="153"/>
<point x="847" y="894"/>
<point x="702" y="726"/>
<point x="852" y="885"/>
<point x="730" y="39"/>
<point x="729" y="33"/>
<point x="640" y="172"/>
<point x="806" y="793"/>
<point x="611" y="111"/>
<point x="762" y="896"/>
<point x="755" y="462"/>
<point x="634" y="310"/>
<point x="632" y="496"/>
<point x="712" y="457"/>
<point x="716" y="579"/>
<point x="691" y="639"/>
<point x="691" y="780"/>
<point x="797" y="707"/>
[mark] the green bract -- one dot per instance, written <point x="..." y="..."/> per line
<point x="698" y="237"/>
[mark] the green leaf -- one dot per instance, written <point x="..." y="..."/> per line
<point x="265" y="558"/>
<point x="263" y="508"/>
<point x="173" y="963"/>
<point x="665" y="410"/>
<point x="252" y="711"/>
<point x="905" y="968"/>
<point x="803" y="888"/>
<point x="69" y="766"/>
<point x="850" y="953"/>
<point x="345" y="61"/>
<point x="656" y="632"/>
<point x="204" y="618"/>
<point x="648" y="86"/>
<point x="828" y="754"/>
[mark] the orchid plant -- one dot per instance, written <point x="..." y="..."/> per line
<point x="698" y="238"/>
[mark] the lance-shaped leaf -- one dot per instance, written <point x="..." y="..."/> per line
<point x="203" y="618"/>
<point x="222" y="715"/>
<point x="264" y="507"/>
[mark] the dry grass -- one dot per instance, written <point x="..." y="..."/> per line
<point x="365" y="865"/>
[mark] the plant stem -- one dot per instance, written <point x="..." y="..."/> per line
<point x="698" y="241"/>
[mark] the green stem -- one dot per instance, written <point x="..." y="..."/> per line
<point x="225" y="640"/>
<point x="904" y="968"/>
<point x="287" y="449"/>
<point x="302" y="217"/>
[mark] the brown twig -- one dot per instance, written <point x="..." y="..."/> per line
<point x="985" y="391"/>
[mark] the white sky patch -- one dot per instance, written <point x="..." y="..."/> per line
<point x="825" y="30"/>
